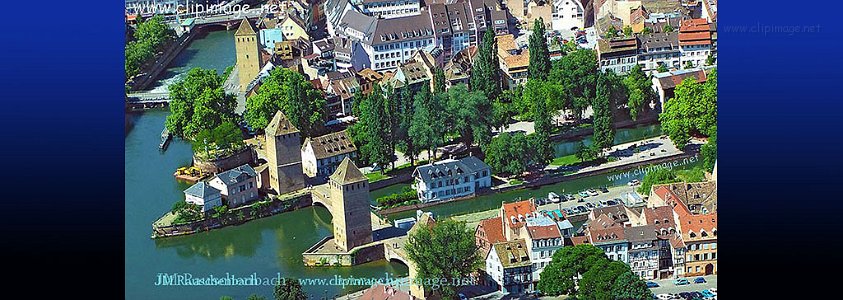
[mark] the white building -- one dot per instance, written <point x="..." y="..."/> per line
<point x="204" y="195"/>
<point x="643" y="251"/>
<point x="451" y="178"/>
<point x="322" y="154"/>
<point x="695" y="42"/>
<point x="659" y="49"/>
<point x="619" y="55"/>
<point x="386" y="9"/>
<point x="238" y="186"/>
<point x="567" y="14"/>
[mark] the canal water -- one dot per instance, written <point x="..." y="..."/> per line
<point x="622" y="135"/>
<point x="265" y="247"/>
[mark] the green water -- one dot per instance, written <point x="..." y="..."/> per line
<point x="265" y="247"/>
<point x="493" y="201"/>
<point x="623" y="135"/>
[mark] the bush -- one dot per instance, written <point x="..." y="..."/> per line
<point x="407" y="196"/>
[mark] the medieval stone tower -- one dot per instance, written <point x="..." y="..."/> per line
<point x="248" y="53"/>
<point x="349" y="191"/>
<point x="283" y="154"/>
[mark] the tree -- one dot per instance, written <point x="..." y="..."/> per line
<point x="485" y="71"/>
<point x="509" y="153"/>
<point x="598" y="281"/>
<point x="612" y="32"/>
<point x="289" y="92"/>
<point x="604" y="124"/>
<point x="446" y="251"/>
<point x="577" y="74"/>
<point x="538" y="94"/>
<point x="656" y="176"/>
<point x="646" y="30"/>
<point x="438" y="80"/>
<point x="559" y="277"/>
<point x="586" y="153"/>
<point x="640" y="89"/>
<point x="662" y="68"/>
<point x="709" y="151"/>
<point x="709" y="61"/>
<point x="539" y="65"/>
<point x="223" y="140"/>
<point x="667" y="28"/>
<point x="426" y="130"/>
<point x="372" y="132"/>
<point x="289" y="289"/>
<point x="470" y="114"/>
<point x="692" y="110"/>
<point x="198" y="102"/>
<point x="689" y="65"/>
<point x="627" y="31"/>
<point x="406" y="113"/>
<point x="629" y="287"/>
<point x="255" y="297"/>
<point x="149" y="36"/>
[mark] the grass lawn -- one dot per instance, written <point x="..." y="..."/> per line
<point x="516" y="182"/>
<point x="691" y="175"/>
<point x="376" y="176"/>
<point x="566" y="160"/>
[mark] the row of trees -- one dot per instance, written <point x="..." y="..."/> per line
<point x="199" y="102"/>
<point x="584" y="271"/>
<point x="147" y="39"/>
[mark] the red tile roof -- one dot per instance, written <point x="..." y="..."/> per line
<point x="544" y="232"/>
<point x="382" y="292"/>
<point x="579" y="240"/>
<point x="493" y="227"/>
<point x="517" y="210"/>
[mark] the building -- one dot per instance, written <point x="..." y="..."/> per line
<point x="508" y="266"/>
<point x="349" y="191"/>
<point x="543" y="238"/>
<point x="695" y="215"/>
<point x="283" y="155"/>
<point x="643" y="251"/>
<point x="617" y="54"/>
<point x="665" y="83"/>
<point x="247" y="48"/>
<point x="659" y="49"/>
<point x="458" y="69"/>
<point x="606" y="234"/>
<point x="294" y="27"/>
<point x="204" y="195"/>
<point x="237" y="186"/>
<point x="416" y="71"/>
<point x="450" y="178"/>
<point x="514" y="61"/>
<point x="514" y="217"/>
<point x="322" y="155"/>
<point x="567" y="14"/>
<point x="387" y="9"/>
<point x="662" y="220"/>
<point x="695" y="42"/>
<point x="488" y="232"/>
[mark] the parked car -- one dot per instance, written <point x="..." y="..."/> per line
<point x="652" y="284"/>
<point x="593" y="192"/>
<point x="696" y="295"/>
<point x="462" y="296"/>
<point x="633" y="182"/>
<point x="699" y="280"/>
<point x="664" y="296"/>
<point x="569" y="197"/>
<point x="583" y="194"/>
<point x="604" y="189"/>
<point x="582" y="208"/>
<point x="685" y="295"/>
<point x="611" y="202"/>
<point x="590" y="206"/>
<point x="680" y="281"/>
<point x="707" y="294"/>
<point x="554" y="197"/>
<point x="713" y="290"/>
<point x="540" y="201"/>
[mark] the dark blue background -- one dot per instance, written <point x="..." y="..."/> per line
<point x="61" y="127"/>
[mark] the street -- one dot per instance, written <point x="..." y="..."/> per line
<point x="666" y="286"/>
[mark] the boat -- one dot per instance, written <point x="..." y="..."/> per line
<point x="189" y="174"/>
<point x="554" y="197"/>
<point x="165" y="139"/>
<point x="633" y="182"/>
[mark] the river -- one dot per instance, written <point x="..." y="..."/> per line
<point x="266" y="247"/>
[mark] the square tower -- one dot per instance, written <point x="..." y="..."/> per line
<point x="247" y="47"/>
<point x="283" y="154"/>
<point x="349" y="191"/>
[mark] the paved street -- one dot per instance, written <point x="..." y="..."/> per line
<point x="666" y="286"/>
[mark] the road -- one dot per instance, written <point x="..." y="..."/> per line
<point x="666" y="286"/>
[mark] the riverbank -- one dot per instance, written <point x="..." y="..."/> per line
<point x="163" y="227"/>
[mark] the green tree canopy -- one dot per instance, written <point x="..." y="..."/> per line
<point x="485" y="70"/>
<point x="372" y="132"/>
<point x="577" y="73"/>
<point x="198" y="102"/>
<point x="470" y="114"/>
<point x="656" y="176"/>
<point x="222" y="140"/>
<point x="426" y="128"/>
<point x="289" y="289"/>
<point x="147" y="39"/>
<point x="509" y="153"/>
<point x="692" y="110"/>
<point x="604" y="122"/>
<point x="288" y="91"/>
<point x="640" y="89"/>
<point x="598" y="281"/>
<point x="559" y="276"/>
<point x="709" y="151"/>
<point x="629" y="287"/>
<point x="445" y="251"/>
<point x="539" y="65"/>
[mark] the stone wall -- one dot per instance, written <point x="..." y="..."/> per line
<point x="243" y="157"/>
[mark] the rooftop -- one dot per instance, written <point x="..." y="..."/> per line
<point x="347" y="172"/>
<point x="236" y="175"/>
<point x="329" y="145"/>
<point x="280" y="125"/>
<point x="512" y="254"/>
